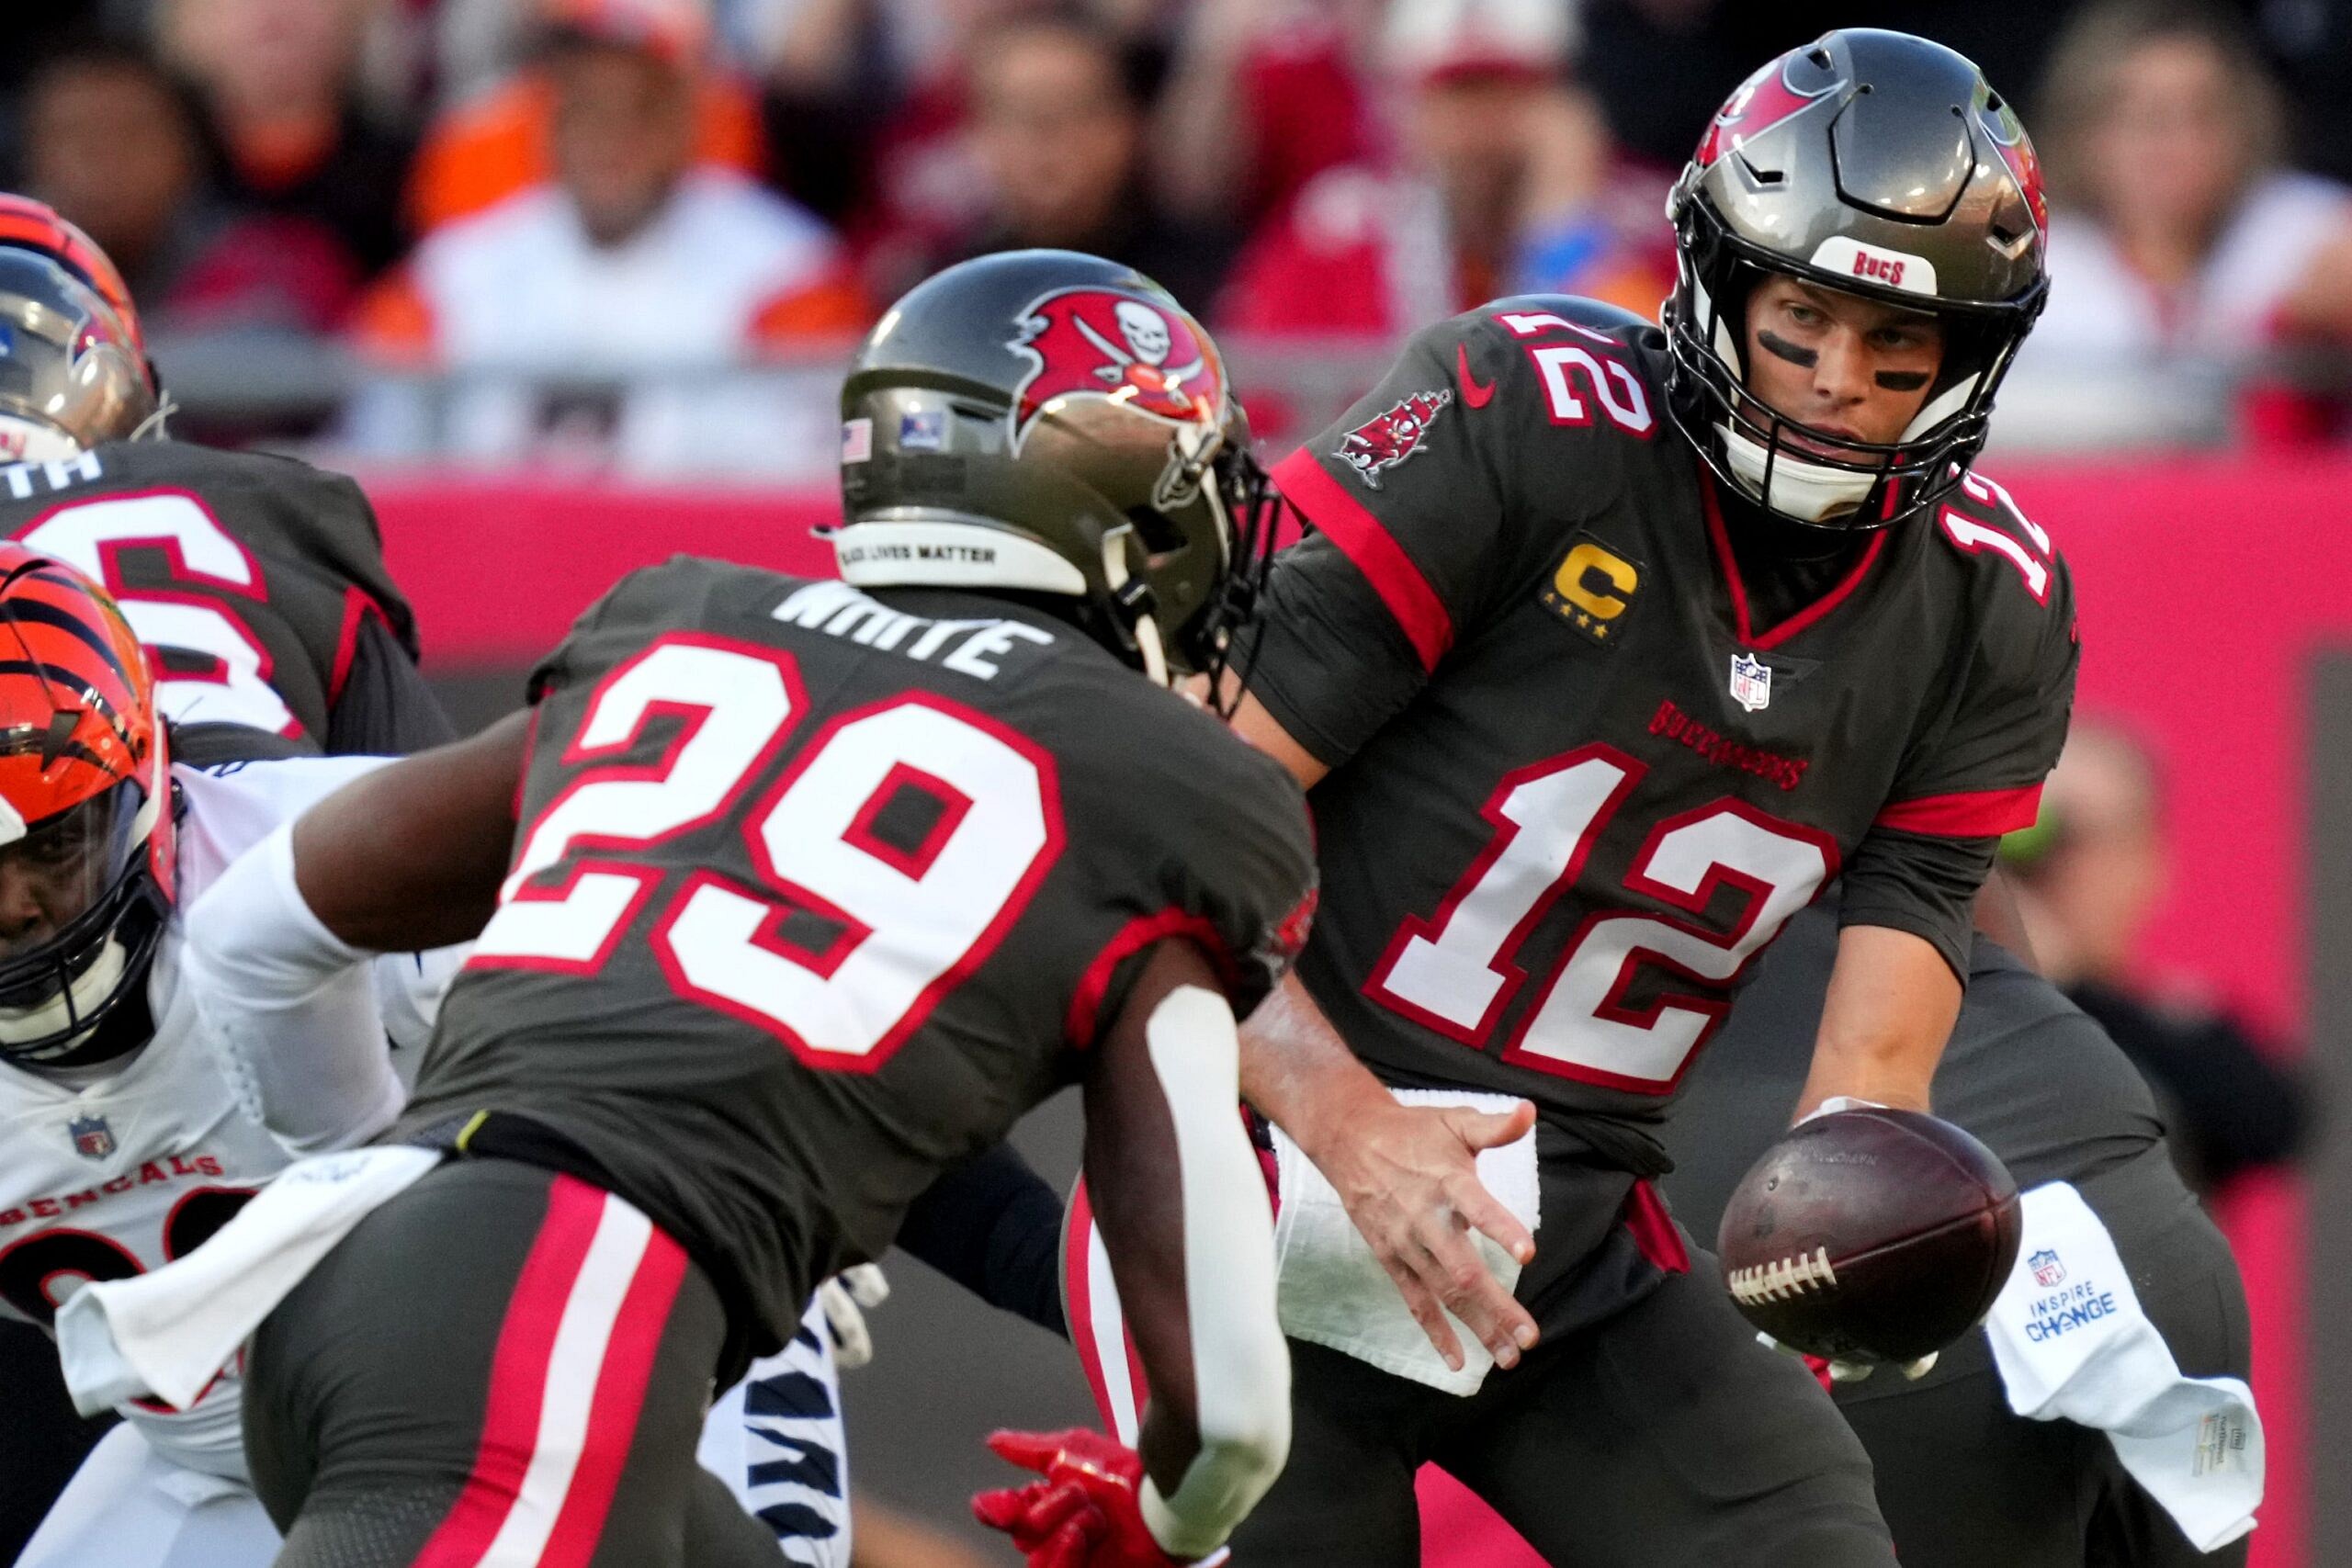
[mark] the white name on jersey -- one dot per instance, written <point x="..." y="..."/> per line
<point x="838" y="610"/>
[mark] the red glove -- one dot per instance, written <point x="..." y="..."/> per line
<point x="1086" y="1513"/>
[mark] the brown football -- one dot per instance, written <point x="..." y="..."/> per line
<point x="1870" y="1236"/>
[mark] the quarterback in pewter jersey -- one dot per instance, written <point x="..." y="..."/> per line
<point x="1612" y="647"/>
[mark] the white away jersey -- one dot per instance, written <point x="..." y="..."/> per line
<point x="108" y="1172"/>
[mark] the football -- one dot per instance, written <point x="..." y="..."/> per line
<point x="1870" y="1235"/>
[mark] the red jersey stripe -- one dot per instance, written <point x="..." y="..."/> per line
<point x="1973" y="814"/>
<point x="619" y="1398"/>
<point x="518" y="1378"/>
<point x="1365" y="540"/>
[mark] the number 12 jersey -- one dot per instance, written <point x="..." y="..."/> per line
<point x="1583" y="767"/>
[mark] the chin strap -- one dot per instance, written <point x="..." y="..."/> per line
<point x="1140" y="622"/>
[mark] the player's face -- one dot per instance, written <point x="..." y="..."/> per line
<point x="51" y="876"/>
<point x="1845" y="366"/>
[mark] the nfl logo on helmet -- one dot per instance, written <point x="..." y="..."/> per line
<point x="93" y="1139"/>
<point x="2047" y="1270"/>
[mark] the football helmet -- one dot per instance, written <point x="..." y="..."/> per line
<point x="1883" y="166"/>
<point x="86" y="842"/>
<point x="1047" y="422"/>
<point x="73" y="365"/>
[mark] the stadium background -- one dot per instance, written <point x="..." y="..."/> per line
<point x="350" y="222"/>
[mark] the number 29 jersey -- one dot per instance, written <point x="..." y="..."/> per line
<point x="817" y="892"/>
<point x="1588" y="753"/>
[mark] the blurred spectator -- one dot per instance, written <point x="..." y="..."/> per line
<point x="281" y="78"/>
<point x="1058" y="124"/>
<point x="632" y="268"/>
<point x="118" y="146"/>
<point x="1261" y="99"/>
<point x="2178" y="244"/>
<point x="497" y="139"/>
<point x="1506" y="182"/>
<point x="2089" y="873"/>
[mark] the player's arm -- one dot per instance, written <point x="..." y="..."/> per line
<point x="1182" y="1205"/>
<point x="383" y="706"/>
<point x="1408" y="1173"/>
<point x="403" y="859"/>
<point x="1893" y="999"/>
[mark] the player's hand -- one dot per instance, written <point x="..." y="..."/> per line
<point x="1086" y="1513"/>
<point x="1408" y="1175"/>
<point x="845" y="1297"/>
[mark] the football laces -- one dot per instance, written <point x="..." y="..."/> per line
<point x="1785" y="1276"/>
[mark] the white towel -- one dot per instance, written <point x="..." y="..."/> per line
<point x="1331" y="1290"/>
<point x="2072" y="1343"/>
<point x="167" y="1333"/>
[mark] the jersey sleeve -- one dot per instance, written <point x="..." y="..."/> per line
<point x="1412" y="504"/>
<point x="381" y="705"/>
<point x="1233" y="872"/>
<point x="1978" y="770"/>
<point x="1976" y="774"/>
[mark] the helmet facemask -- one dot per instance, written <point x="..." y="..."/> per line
<point x="100" y="915"/>
<point x="86" y="835"/>
<point x="1791" y="470"/>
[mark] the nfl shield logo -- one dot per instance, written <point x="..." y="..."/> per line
<point x="93" y="1139"/>
<point x="1751" y="682"/>
<point x="2047" y="1270"/>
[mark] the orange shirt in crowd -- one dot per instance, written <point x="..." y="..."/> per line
<point x="495" y="145"/>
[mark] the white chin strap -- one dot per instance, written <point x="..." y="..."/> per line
<point x="90" y="987"/>
<point x="1147" y="628"/>
<point x="34" y="441"/>
<point x="1812" y="491"/>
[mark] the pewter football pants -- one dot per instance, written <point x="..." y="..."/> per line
<point x="501" y="1356"/>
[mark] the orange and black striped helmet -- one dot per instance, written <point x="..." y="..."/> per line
<point x="86" y="842"/>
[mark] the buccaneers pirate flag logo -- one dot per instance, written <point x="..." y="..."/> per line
<point x="1390" y="437"/>
<point x="1098" y="342"/>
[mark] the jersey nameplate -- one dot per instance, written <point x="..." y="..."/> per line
<point x="967" y="647"/>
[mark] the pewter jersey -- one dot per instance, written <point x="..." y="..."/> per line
<point x="815" y="892"/>
<point x="1592" y="743"/>
<point x="106" y="1172"/>
<point x="257" y="583"/>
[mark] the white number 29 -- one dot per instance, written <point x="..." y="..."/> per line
<point x="912" y="919"/>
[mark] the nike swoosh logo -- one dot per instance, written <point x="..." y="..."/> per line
<point x="1473" y="396"/>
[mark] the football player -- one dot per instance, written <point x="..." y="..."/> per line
<point x="1964" y="1480"/>
<point x="122" y="1143"/>
<point x="802" y="892"/>
<point x="259" y="580"/>
<point x="1614" y="645"/>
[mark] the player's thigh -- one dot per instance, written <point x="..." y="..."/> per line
<point x="1666" y="1434"/>
<point x="499" y="1355"/>
<point x="778" y="1442"/>
<point x="1346" y="1494"/>
<point x="127" y="1507"/>
<point x="1965" y="1483"/>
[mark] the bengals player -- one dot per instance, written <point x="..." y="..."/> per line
<point x="259" y="580"/>
<point x="1613" y="646"/>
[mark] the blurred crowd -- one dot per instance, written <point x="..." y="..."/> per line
<point x="541" y="227"/>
